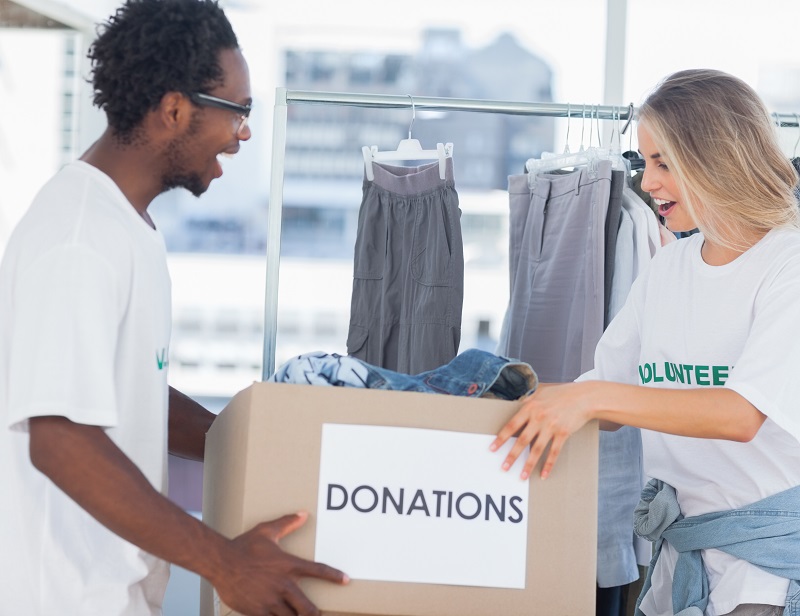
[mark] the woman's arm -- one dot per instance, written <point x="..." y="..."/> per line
<point x="553" y="413"/>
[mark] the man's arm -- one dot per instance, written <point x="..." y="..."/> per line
<point x="189" y="422"/>
<point x="251" y="573"/>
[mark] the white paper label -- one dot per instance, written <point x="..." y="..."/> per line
<point x="418" y="505"/>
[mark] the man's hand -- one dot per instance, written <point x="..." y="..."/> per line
<point x="251" y="573"/>
<point x="262" y="579"/>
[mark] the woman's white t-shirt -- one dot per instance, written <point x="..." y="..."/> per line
<point x="84" y="333"/>
<point x="687" y="324"/>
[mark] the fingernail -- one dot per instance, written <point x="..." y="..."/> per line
<point x="524" y="475"/>
<point x="506" y="466"/>
<point x="492" y="447"/>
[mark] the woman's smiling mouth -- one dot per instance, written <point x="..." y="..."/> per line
<point x="664" y="206"/>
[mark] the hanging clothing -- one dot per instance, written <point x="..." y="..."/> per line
<point x="408" y="274"/>
<point x="619" y="487"/>
<point x="647" y="237"/>
<point x="613" y="219"/>
<point x="621" y="475"/>
<point x="474" y="373"/>
<point x="620" y="479"/>
<point x="556" y="258"/>
<point x="624" y="258"/>
<point x="636" y="186"/>
<point x="620" y="552"/>
<point x="560" y="265"/>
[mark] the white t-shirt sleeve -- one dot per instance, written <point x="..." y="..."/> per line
<point x="67" y="312"/>
<point x="767" y="373"/>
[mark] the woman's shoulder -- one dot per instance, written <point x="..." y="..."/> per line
<point x="785" y="236"/>
<point x="778" y="255"/>
<point x="680" y="248"/>
<point x="782" y="243"/>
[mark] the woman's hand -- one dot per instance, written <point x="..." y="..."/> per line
<point x="554" y="412"/>
<point x="549" y="416"/>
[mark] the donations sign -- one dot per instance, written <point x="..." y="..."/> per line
<point x="419" y="505"/>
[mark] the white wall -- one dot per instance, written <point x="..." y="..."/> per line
<point x="30" y="111"/>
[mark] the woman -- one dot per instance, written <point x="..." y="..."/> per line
<point x="705" y="357"/>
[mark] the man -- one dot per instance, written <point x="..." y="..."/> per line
<point x="86" y="415"/>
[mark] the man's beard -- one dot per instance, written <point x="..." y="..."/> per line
<point x="190" y="181"/>
<point x="177" y="175"/>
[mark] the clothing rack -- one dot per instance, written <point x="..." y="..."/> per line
<point x="285" y="97"/>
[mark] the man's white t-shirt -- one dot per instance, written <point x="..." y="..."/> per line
<point x="687" y="324"/>
<point x="84" y="333"/>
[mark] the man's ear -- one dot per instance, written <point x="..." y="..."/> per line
<point x="174" y="111"/>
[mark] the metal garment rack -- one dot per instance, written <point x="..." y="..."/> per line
<point x="285" y="97"/>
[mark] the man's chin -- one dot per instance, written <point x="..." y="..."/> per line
<point x="191" y="183"/>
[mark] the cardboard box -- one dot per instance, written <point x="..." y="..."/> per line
<point x="263" y="460"/>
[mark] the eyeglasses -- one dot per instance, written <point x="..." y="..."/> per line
<point x="243" y="111"/>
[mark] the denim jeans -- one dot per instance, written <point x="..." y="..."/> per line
<point x="765" y="533"/>
<point x="474" y="373"/>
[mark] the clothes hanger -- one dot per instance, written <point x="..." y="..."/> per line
<point x="583" y="128"/>
<point x="618" y="161"/>
<point x="623" y="160"/>
<point x="566" y="138"/>
<point x="566" y="150"/>
<point x="407" y="149"/>
<point x="553" y="162"/>
<point x="633" y="157"/>
<point x="584" y="157"/>
<point x="615" y="130"/>
<point x="628" y="122"/>
<point x="612" y="152"/>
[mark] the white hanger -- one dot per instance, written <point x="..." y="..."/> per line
<point x="552" y="162"/>
<point x="584" y="157"/>
<point x="408" y="149"/>
<point x="614" y="150"/>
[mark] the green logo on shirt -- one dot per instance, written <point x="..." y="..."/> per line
<point x="690" y="374"/>
<point x="162" y="361"/>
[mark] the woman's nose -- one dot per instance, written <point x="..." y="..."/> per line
<point x="648" y="182"/>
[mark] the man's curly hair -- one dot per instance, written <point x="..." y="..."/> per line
<point x="151" y="47"/>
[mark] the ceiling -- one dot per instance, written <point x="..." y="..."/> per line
<point x="15" y="15"/>
<point x="80" y="15"/>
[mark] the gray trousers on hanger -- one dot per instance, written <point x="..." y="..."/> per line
<point x="612" y="228"/>
<point x="556" y="309"/>
<point x="408" y="275"/>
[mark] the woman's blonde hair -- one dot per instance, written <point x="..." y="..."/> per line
<point x="716" y="136"/>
